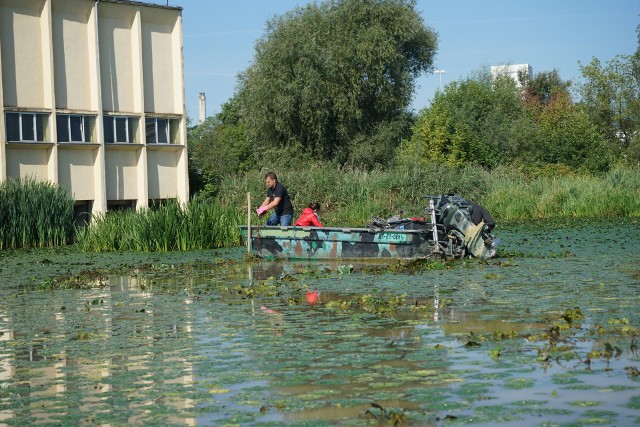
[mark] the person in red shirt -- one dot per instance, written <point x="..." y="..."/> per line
<point x="309" y="216"/>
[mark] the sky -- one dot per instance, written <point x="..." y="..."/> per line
<point x="220" y="38"/>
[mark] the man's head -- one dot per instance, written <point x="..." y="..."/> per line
<point x="270" y="179"/>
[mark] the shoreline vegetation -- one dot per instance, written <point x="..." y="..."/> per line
<point x="349" y="197"/>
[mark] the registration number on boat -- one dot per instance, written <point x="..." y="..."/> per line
<point x="393" y="237"/>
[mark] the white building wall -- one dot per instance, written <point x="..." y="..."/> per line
<point x="106" y="59"/>
<point x="73" y="39"/>
<point x="22" y="62"/>
<point x="512" y="71"/>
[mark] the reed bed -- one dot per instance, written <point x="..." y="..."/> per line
<point x="195" y="226"/>
<point x="34" y="214"/>
<point x="515" y="196"/>
<point x="349" y="197"/>
<point x="41" y="214"/>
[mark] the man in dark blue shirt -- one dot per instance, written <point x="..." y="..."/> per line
<point x="278" y="199"/>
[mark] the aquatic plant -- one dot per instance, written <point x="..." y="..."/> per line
<point x="517" y="196"/>
<point x="196" y="225"/>
<point x="34" y="214"/>
<point x="350" y="196"/>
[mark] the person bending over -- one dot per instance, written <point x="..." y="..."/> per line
<point x="278" y="200"/>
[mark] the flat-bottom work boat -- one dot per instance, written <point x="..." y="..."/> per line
<point x="445" y="230"/>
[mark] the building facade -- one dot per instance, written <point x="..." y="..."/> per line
<point x="93" y="100"/>
<point x="513" y="71"/>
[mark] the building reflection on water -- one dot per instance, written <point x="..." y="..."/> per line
<point x="52" y="383"/>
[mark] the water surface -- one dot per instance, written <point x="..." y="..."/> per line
<point x="545" y="334"/>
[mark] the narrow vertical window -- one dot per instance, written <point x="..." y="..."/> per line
<point x="122" y="129"/>
<point x="28" y="127"/>
<point x="76" y="129"/>
<point x="62" y="128"/>
<point x="109" y="136"/>
<point x="163" y="131"/>
<point x="12" y="122"/>
<point x="150" y="130"/>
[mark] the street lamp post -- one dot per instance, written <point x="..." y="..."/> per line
<point x="440" y="72"/>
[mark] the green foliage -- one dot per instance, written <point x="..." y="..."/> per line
<point x="350" y="196"/>
<point x="568" y="136"/>
<point x="489" y="122"/>
<point x="34" y="213"/>
<point x="331" y="78"/>
<point x="217" y="147"/>
<point x="611" y="97"/>
<point x="470" y="122"/>
<point x="543" y="88"/>
<point x="197" y="225"/>
<point x="516" y="194"/>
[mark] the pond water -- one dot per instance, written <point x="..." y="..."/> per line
<point x="545" y="334"/>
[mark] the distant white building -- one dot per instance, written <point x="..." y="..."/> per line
<point x="512" y="71"/>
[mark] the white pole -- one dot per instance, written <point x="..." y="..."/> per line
<point x="249" y="223"/>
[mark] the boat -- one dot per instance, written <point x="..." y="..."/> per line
<point x="445" y="230"/>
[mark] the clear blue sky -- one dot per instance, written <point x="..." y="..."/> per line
<point x="220" y="36"/>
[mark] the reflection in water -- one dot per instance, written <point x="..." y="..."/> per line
<point x="177" y="347"/>
<point x="80" y="354"/>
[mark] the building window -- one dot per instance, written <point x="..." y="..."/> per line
<point x="74" y="128"/>
<point x="158" y="131"/>
<point x="26" y="127"/>
<point x="119" y="129"/>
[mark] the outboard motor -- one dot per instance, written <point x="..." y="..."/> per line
<point x="454" y="212"/>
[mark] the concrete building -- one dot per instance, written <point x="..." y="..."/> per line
<point x="512" y="71"/>
<point x="93" y="99"/>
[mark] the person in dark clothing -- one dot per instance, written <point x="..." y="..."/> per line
<point x="479" y="213"/>
<point x="278" y="199"/>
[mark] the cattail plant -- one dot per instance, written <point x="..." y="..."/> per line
<point x="34" y="214"/>
<point x="171" y="226"/>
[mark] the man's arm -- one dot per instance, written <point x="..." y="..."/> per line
<point x="273" y="204"/>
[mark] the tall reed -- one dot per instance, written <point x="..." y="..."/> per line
<point x="350" y="196"/>
<point x="34" y="214"/>
<point x="517" y="196"/>
<point x="195" y="226"/>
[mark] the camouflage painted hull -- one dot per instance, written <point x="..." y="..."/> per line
<point x="332" y="243"/>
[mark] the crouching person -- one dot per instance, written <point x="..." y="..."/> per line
<point x="309" y="216"/>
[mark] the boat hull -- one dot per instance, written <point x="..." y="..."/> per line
<point x="332" y="243"/>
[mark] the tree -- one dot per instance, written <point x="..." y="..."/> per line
<point x="568" y="136"/>
<point x="329" y="79"/>
<point x="218" y="147"/>
<point x="540" y="90"/>
<point x="611" y="95"/>
<point x="489" y="122"/>
<point x="471" y="121"/>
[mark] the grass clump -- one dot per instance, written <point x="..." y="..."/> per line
<point x="196" y="225"/>
<point x="34" y="214"/>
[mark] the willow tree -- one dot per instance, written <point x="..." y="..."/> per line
<point x="334" y="80"/>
